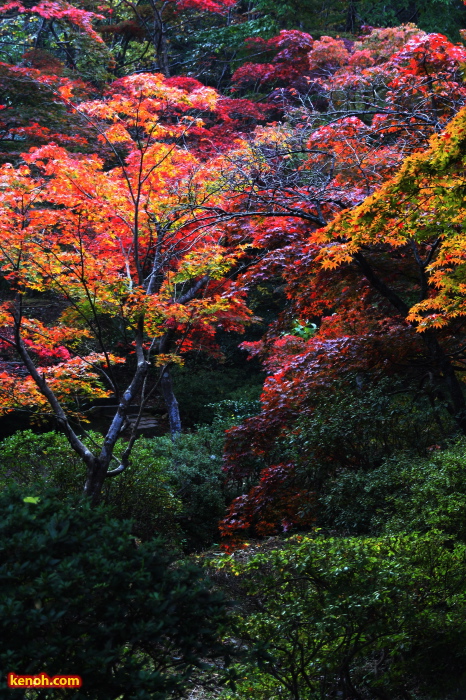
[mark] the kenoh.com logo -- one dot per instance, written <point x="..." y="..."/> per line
<point x="42" y="680"/>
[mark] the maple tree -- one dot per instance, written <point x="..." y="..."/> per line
<point x="292" y="182"/>
<point x="115" y="237"/>
<point x="98" y="40"/>
<point x="152" y="25"/>
<point x="44" y="46"/>
<point x="59" y="10"/>
<point x="420" y="208"/>
<point x="56" y="37"/>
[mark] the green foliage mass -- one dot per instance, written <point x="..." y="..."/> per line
<point x="444" y="16"/>
<point x="218" y="50"/>
<point x="78" y="597"/>
<point x="404" y="494"/>
<point x="354" y="426"/>
<point x="175" y="488"/>
<point x="351" y="617"/>
<point x="333" y="16"/>
<point x="194" y="466"/>
<point x="142" y="493"/>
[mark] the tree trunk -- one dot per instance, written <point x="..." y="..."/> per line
<point x="96" y="475"/>
<point x="171" y="403"/>
<point x="159" y="40"/>
<point x="98" y="467"/>
<point x="351" y="17"/>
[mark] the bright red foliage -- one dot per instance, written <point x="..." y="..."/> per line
<point x="60" y="10"/>
<point x="206" y="5"/>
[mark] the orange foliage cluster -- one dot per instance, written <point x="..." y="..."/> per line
<point x="121" y="241"/>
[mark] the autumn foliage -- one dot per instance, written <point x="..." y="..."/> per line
<point x="153" y="209"/>
<point x="115" y="236"/>
<point x="351" y="274"/>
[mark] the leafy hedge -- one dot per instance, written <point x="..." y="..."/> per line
<point x="404" y="494"/>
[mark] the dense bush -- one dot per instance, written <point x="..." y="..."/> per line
<point x="404" y="494"/>
<point x="351" y="618"/>
<point x="194" y="469"/>
<point x="77" y="596"/>
<point x="142" y="492"/>
<point x="196" y="476"/>
<point x="358" y="424"/>
<point x="175" y="487"/>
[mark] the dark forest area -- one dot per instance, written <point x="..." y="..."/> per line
<point x="232" y="349"/>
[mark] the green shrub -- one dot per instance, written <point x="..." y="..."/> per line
<point x="78" y="597"/>
<point x="142" y="492"/>
<point x="405" y="494"/>
<point x="355" y="427"/>
<point x="42" y="460"/>
<point x="196" y="477"/>
<point x="350" y="617"/>
<point x="432" y="492"/>
<point x="360" y="502"/>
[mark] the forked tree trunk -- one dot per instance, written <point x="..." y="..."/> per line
<point x="97" y="465"/>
